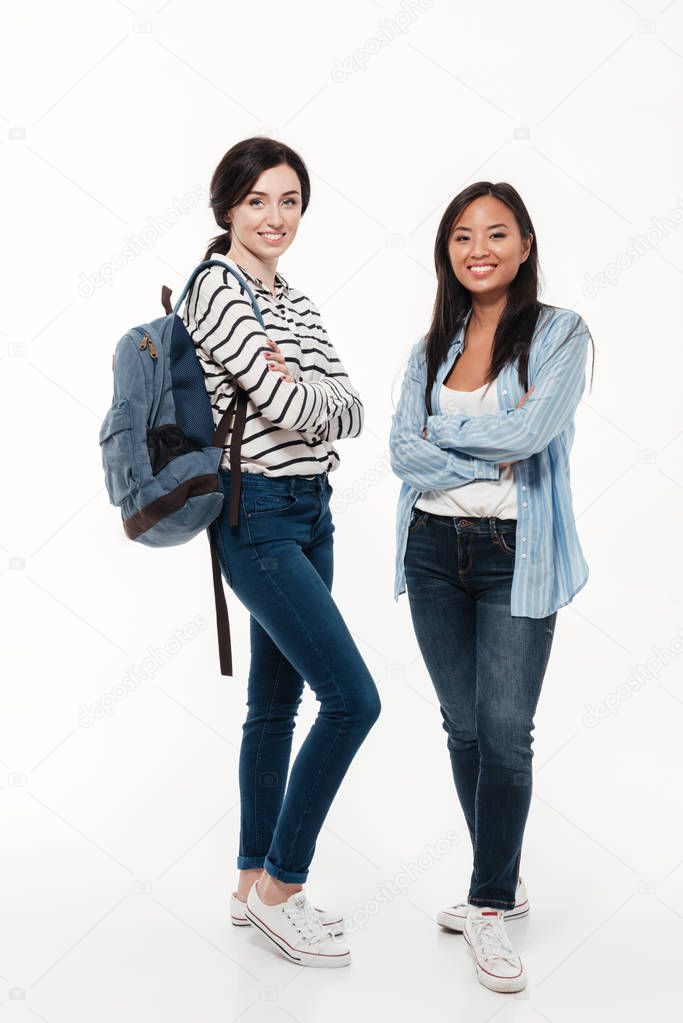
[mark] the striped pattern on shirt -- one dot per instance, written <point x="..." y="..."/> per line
<point x="290" y="427"/>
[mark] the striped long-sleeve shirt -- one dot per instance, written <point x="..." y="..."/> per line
<point x="549" y="564"/>
<point x="290" y="427"/>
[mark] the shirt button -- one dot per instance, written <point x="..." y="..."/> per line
<point x="524" y="555"/>
<point x="523" y="539"/>
<point x="524" y="504"/>
<point x="523" y="486"/>
<point x="505" y="392"/>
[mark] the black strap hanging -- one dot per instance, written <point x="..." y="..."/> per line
<point x="238" y="404"/>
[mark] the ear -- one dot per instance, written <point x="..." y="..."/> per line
<point x="528" y="244"/>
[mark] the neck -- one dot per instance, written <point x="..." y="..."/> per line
<point x="486" y="312"/>
<point x="262" y="268"/>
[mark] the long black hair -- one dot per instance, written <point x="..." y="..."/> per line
<point x="236" y="174"/>
<point x="515" y="328"/>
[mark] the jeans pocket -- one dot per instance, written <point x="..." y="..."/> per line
<point x="269" y="504"/>
<point x="417" y="520"/>
<point x="507" y="540"/>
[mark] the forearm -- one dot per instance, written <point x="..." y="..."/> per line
<point x="417" y="461"/>
<point x="424" y="466"/>
<point x="348" y="424"/>
<point x="519" y="433"/>
<point x="228" y="331"/>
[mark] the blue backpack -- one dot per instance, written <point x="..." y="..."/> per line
<point x="160" y="450"/>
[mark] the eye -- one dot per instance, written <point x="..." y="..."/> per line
<point x="465" y="237"/>
<point x="252" y="201"/>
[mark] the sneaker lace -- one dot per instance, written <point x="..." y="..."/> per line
<point x="493" y="939"/>
<point x="305" y="918"/>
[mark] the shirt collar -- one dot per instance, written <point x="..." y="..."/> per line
<point x="281" y="285"/>
<point x="459" y="338"/>
<point x="454" y="347"/>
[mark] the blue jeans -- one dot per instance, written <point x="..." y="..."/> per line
<point x="278" y="560"/>
<point x="487" y="668"/>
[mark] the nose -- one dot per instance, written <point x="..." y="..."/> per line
<point x="479" y="249"/>
<point x="275" y="218"/>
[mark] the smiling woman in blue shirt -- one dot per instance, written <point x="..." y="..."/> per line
<point x="487" y="546"/>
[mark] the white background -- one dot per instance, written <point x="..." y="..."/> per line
<point x="119" y="838"/>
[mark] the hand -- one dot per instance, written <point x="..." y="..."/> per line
<point x="276" y="362"/>
<point x="504" y="465"/>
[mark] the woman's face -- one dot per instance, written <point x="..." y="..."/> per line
<point x="266" y="221"/>
<point x="486" y="235"/>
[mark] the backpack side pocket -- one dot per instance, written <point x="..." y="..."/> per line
<point x="116" y="443"/>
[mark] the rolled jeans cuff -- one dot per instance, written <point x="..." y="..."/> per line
<point x="286" y="876"/>
<point x="250" y="862"/>
<point x="493" y="903"/>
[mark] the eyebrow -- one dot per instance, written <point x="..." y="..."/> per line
<point x="489" y="228"/>
<point x="292" y="191"/>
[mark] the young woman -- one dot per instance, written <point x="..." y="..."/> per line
<point x="486" y="542"/>
<point x="279" y="559"/>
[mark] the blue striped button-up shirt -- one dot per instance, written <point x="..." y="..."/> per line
<point x="549" y="566"/>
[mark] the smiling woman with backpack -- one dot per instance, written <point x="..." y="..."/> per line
<point x="488" y="555"/>
<point x="278" y="559"/>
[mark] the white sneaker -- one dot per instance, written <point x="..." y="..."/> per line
<point x="497" y="965"/>
<point x="295" y="929"/>
<point x="333" y="922"/>
<point x="454" y="917"/>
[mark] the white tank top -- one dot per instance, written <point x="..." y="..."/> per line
<point x="479" y="497"/>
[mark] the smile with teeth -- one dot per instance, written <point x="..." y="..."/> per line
<point x="272" y="235"/>
<point x="482" y="269"/>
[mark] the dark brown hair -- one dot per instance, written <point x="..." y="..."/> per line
<point x="236" y="174"/>
<point x="515" y="328"/>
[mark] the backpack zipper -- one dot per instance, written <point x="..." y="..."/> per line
<point x="148" y="344"/>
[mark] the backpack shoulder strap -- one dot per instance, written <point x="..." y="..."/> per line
<point x="166" y="292"/>
<point x="238" y="407"/>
